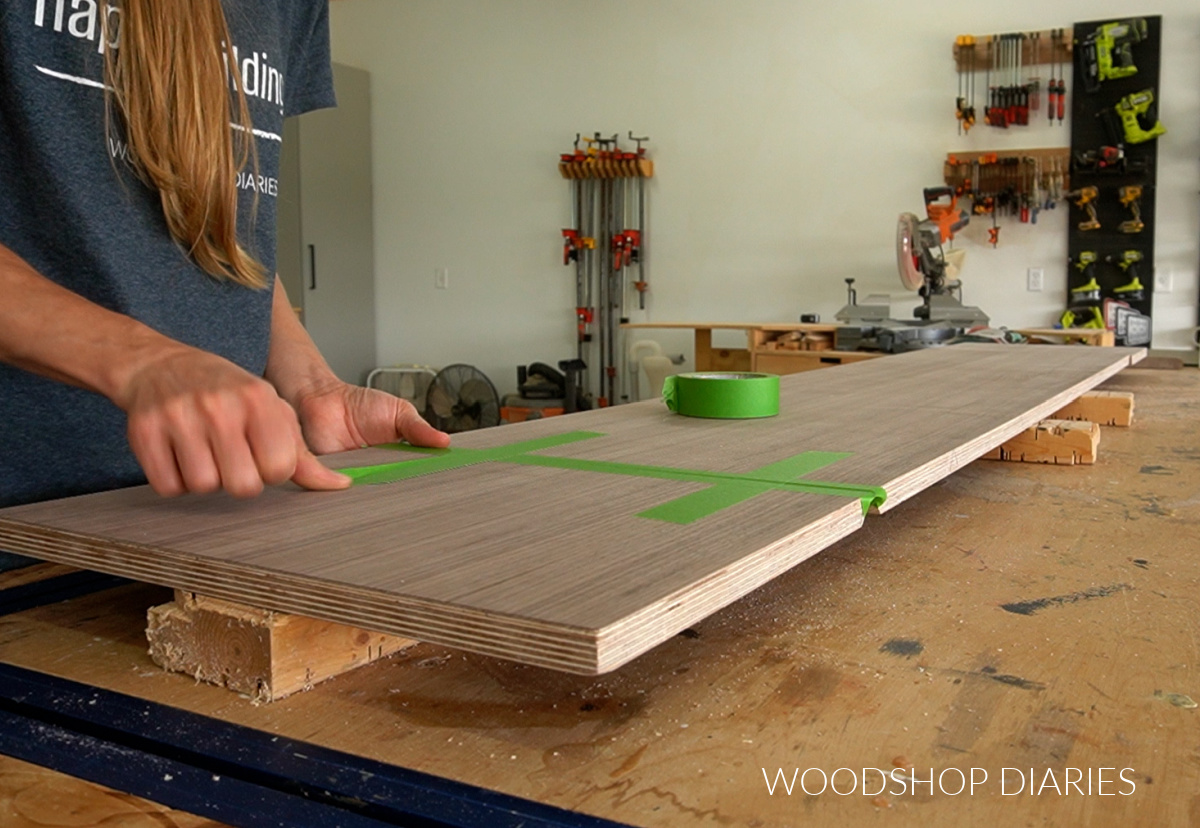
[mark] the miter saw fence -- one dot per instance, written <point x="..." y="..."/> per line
<point x="926" y="267"/>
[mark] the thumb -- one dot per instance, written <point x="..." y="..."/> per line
<point x="413" y="428"/>
<point x="312" y="474"/>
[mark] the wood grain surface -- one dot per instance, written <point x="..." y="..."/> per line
<point x="35" y="797"/>
<point x="1011" y="615"/>
<point x="552" y="566"/>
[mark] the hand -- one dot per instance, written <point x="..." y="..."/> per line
<point x="338" y="417"/>
<point x="199" y="423"/>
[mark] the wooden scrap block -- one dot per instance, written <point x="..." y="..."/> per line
<point x="1063" y="442"/>
<point x="818" y="341"/>
<point x="265" y="654"/>
<point x="1113" y="408"/>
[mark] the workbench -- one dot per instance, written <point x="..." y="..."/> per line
<point x="1098" y="337"/>
<point x="1033" y="618"/>
<point x="757" y="355"/>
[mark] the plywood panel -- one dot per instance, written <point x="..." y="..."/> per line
<point x="554" y="566"/>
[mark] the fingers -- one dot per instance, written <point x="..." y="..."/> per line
<point x="197" y="465"/>
<point x="239" y="470"/>
<point x="309" y="472"/>
<point x="412" y="427"/>
<point x="272" y="440"/>
<point x="153" y="450"/>
<point x="350" y="417"/>
<point x="174" y="450"/>
<point x="312" y="474"/>
<point x="206" y="425"/>
<point x="201" y="424"/>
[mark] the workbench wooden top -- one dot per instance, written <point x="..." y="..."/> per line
<point x="738" y="326"/>
<point x="35" y="797"/>
<point x="1018" y="616"/>
<point x="617" y="529"/>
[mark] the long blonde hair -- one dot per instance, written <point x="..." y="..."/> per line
<point x="187" y="137"/>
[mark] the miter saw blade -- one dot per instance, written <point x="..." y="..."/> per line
<point x="906" y="262"/>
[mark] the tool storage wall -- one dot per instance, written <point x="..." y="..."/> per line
<point x="1021" y="72"/>
<point x="1114" y="161"/>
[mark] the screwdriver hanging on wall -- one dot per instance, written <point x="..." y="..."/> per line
<point x="1012" y="81"/>
<point x="1052" y="86"/>
<point x="1063" y="41"/>
<point x="1035" y="81"/>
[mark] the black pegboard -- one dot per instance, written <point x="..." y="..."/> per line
<point x="1088" y="133"/>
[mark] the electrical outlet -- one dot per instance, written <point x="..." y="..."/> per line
<point x="441" y="278"/>
<point x="1164" y="281"/>
<point x="1035" y="278"/>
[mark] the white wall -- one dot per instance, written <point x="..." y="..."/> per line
<point x="787" y="137"/>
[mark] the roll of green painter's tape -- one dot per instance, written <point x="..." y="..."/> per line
<point x="723" y="395"/>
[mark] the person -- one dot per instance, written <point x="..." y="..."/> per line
<point x="143" y="334"/>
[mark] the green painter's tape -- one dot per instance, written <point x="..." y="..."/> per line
<point x="692" y="507"/>
<point x="437" y="460"/>
<point x="700" y="504"/>
<point x="799" y="465"/>
<point x="723" y="396"/>
<point x="725" y="489"/>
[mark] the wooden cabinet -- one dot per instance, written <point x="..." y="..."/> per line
<point x="326" y="247"/>
<point x="794" y="362"/>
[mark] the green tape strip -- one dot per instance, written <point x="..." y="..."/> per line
<point x="725" y="489"/>
<point x="868" y="495"/>
<point x="799" y="465"/>
<point x="692" y="507"/>
<point x="723" y="396"/>
<point x="451" y="458"/>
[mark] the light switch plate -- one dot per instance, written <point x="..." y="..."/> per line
<point x="1164" y="281"/>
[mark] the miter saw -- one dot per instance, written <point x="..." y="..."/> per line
<point x="926" y="267"/>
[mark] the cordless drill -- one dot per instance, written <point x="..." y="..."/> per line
<point x="1133" y="290"/>
<point x="1084" y="311"/>
<point x="1131" y="197"/>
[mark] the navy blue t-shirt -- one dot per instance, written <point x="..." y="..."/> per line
<point x="70" y="206"/>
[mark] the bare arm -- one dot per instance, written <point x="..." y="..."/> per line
<point x="294" y="365"/>
<point x="61" y="335"/>
<point x="335" y="416"/>
<point x="197" y="422"/>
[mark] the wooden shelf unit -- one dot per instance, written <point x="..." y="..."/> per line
<point x="763" y="351"/>
<point x="772" y="351"/>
